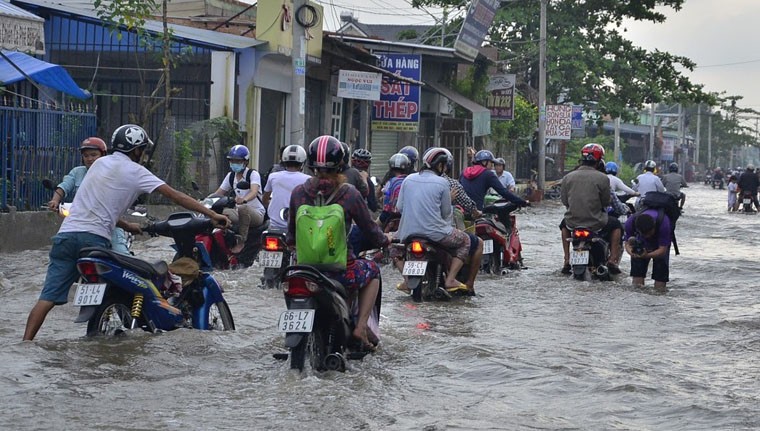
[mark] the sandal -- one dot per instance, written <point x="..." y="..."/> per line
<point x="462" y="287"/>
<point x="401" y="287"/>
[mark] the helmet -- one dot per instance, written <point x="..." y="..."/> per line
<point x="325" y="152"/>
<point x="361" y="154"/>
<point x="399" y="161"/>
<point x="410" y="152"/>
<point x="611" y="168"/>
<point x="346" y="152"/>
<point x="592" y="152"/>
<point x="499" y="161"/>
<point x="436" y="155"/>
<point x="239" y="152"/>
<point x="649" y="165"/>
<point x="750" y="167"/>
<point x="673" y="167"/>
<point x="483" y="156"/>
<point x="93" y="143"/>
<point x="128" y="137"/>
<point x="293" y="154"/>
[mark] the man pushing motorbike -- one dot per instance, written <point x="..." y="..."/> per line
<point x="112" y="184"/>
<point x="586" y="195"/>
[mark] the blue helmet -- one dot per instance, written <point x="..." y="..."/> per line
<point x="412" y="153"/>
<point x="483" y="156"/>
<point x="239" y="152"/>
<point x="611" y="168"/>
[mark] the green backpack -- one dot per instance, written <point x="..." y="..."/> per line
<point x="321" y="234"/>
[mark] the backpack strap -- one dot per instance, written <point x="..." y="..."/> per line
<point x="248" y="174"/>
<point x="658" y="223"/>
<point x="321" y="201"/>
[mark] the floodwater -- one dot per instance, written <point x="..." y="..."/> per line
<point x="534" y="350"/>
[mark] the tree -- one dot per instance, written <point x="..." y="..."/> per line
<point x="589" y="60"/>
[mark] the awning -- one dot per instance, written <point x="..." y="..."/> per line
<point x="16" y="66"/>
<point x="21" y="30"/>
<point x="481" y="116"/>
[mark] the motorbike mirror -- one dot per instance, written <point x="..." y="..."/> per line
<point x="243" y="185"/>
<point x="48" y="184"/>
<point x="195" y="186"/>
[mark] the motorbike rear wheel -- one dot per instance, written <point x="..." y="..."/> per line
<point x="314" y="346"/>
<point x="112" y="317"/>
<point x="220" y="317"/>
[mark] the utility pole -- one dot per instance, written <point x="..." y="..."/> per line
<point x="542" y="100"/>
<point x="699" y="124"/>
<point x="617" y="140"/>
<point x="709" y="137"/>
<point x="298" y="90"/>
<point x="651" y="132"/>
<point x="681" y="136"/>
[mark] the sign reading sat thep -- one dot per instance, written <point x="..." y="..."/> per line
<point x="399" y="106"/>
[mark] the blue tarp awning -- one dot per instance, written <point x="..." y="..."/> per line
<point x="51" y="75"/>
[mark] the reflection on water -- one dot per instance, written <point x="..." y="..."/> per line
<point x="534" y="350"/>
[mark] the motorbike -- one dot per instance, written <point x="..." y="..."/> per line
<point x="319" y="321"/>
<point x="717" y="183"/>
<point x="497" y="228"/>
<point x="275" y="257"/>
<point x="119" y="292"/>
<point x="425" y="266"/>
<point x="747" y="202"/>
<point x="588" y="255"/>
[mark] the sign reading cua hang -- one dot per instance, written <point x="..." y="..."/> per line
<point x="398" y="109"/>
<point x="21" y="30"/>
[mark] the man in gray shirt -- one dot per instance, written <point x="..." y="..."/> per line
<point x="673" y="181"/>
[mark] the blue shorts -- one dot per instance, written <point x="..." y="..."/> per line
<point x="62" y="270"/>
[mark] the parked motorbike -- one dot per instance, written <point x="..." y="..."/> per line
<point x="425" y="267"/>
<point x="497" y="228"/>
<point x="319" y="321"/>
<point x="589" y="255"/>
<point x="120" y="292"/>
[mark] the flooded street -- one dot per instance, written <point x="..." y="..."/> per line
<point x="533" y="350"/>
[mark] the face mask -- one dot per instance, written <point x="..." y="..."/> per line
<point x="237" y="167"/>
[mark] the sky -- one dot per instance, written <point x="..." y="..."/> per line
<point x="721" y="36"/>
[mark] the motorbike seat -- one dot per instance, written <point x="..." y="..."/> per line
<point x="493" y="223"/>
<point x="156" y="269"/>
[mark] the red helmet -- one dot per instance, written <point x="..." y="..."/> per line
<point x="325" y="152"/>
<point x="93" y="143"/>
<point x="592" y="152"/>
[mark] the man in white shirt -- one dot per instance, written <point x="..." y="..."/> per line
<point x="647" y="182"/>
<point x="280" y="185"/>
<point x="112" y="184"/>
<point x="616" y="184"/>
<point x="506" y="179"/>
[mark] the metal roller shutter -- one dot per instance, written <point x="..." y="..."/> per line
<point x="382" y="145"/>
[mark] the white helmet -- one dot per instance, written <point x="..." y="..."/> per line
<point x="294" y="154"/>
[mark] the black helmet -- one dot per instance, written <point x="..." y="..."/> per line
<point x="128" y="137"/>
<point x="361" y="154"/>
<point x="325" y="152"/>
<point x="673" y="167"/>
<point x="346" y="152"/>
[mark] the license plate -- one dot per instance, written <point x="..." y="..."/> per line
<point x="296" y="321"/>
<point x="488" y="246"/>
<point x="89" y="294"/>
<point x="414" y="267"/>
<point x="579" y="257"/>
<point x="270" y="259"/>
<point x="746" y="201"/>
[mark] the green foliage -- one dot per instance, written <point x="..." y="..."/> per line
<point x="407" y="34"/>
<point x="515" y="134"/>
<point x="183" y="141"/>
<point x="131" y="14"/>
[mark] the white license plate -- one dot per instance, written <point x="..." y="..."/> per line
<point x="270" y="259"/>
<point x="414" y="268"/>
<point x="296" y="321"/>
<point x="579" y="257"/>
<point x="746" y="201"/>
<point x="487" y="246"/>
<point x="89" y="294"/>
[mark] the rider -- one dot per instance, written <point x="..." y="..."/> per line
<point x="459" y="198"/>
<point x="748" y="182"/>
<point x="616" y="184"/>
<point x="647" y="182"/>
<point x="506" y="178"/>
<point x="399" y="167"/>
<point x="360" y="160"/>
<point x="249" y="211"/>
<point x="325" y="157"/>
<point x="673" y="181"/>
<point x="111" y="185"/>
<point x="413" y="155"/>
<point x="477" y="179"/>
<point x="281" y="184"/>
<point x="425" y="205"/>
<point x="586" y="195"/>
<point x="91" y="149"/>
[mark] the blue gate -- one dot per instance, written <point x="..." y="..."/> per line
<point x="40" y="141"/>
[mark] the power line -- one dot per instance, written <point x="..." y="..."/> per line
<point x="728" y="64"/>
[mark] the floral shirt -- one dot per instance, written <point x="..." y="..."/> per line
<point x="462" y="199"/>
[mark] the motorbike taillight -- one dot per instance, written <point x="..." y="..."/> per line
<point x="89" y="271"/>
<point x="300" y="287"/>
<point x="581" y="233"/>
<point x="417" y="247"/>
<point x="272" y="243"/>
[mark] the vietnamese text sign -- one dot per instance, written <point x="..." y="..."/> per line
<point x="399" y="106"/>
<point x="475" y="27"/>
<point x="353" y="84"/>
<point x="558" y="121"/>
<point x="577" y="117"/>
<point x="500" y="98"/>
<point x="19" y="34"/>
<point x="668" y="149"/>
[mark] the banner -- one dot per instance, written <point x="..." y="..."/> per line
<point x="558" y="121"/>
<point x="668" y="149"/>
<point x="354" y="84"/>
<point x="577" y="117"/>
<point x="500" y="98"/>
<point x="398" y="109"/>
<point x="475" y="27"/>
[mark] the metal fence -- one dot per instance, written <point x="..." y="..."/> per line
<point x="40" y="140"/>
